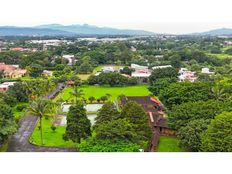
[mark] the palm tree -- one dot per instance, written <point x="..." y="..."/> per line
<point x="41" y="108"/>
<point x="218" y="92"/>
<point x="77" y="93"/>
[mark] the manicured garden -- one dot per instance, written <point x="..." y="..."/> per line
<point x="99" y="91"/>
<point x="51" y="138"/>
<point x="168" y="144"/>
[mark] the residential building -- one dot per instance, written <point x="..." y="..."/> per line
<point x="186" y="75"/>
<point x="5" y="86"/>
<point x="161" y="67"/>
<point x="141" y="72"/>
<point x="108" y="69"/>
<point x="206" y="71"/>
<point x="12" y="71"/>
<point x="139" y="67"/>
<point x="154" y="110"/>
<point x="47" y="73"/>
<point x="70" y="58"/>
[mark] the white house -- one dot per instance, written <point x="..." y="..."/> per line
<point x="140" y="71"/>
<point x="47" y="73"/>
<point x="70" y="58"/>
<point x="163" y="66"/>
<point x="206" y="71"/>
<point x="159" y="56"/>
<point x="5" y="86"/>
<point x="108" y="69"/>
<point x="138" y="67"/>
<point x="186" y="75"/>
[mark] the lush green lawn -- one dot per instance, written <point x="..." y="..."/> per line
<point x="51" y="138"/>
<point x="98" y="68"/>
<point x="99" y="91"/>
<point x="168" y="144"/>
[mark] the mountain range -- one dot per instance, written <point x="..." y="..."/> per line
<point x="217" y="32"/>
<point x="85" y="29"/>
<point x="68" y="30"/>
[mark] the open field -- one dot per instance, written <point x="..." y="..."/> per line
<point x="168" y="144"/>
<point x="99" y="91"/>
<point x="51" y="138"/>
<point x="221" y="56"/>
<point x="83" y="76"/>
<point x="98" y="68"/>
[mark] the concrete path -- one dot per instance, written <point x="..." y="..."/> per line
<point x="19" y="142"/>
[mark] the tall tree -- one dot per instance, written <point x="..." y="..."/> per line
<point x="159" y="73"/>
<point x="78" y="125"/>
<point x="115" y="130"/>
<point x="176" y="61"/>
<point x="218" y="92"/>
<point x="190" y="135"/>
<point x="41" y="108"/>
<point x="7" y="123"/>
<point x="182" y="114"/>
<point x="107" y="113"/>
<point x="137" y="116"/>
<point x="218" y="136"/>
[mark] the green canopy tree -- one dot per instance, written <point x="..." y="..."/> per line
<point x="176" y="61"/>
<point x="177" y="93"/>
<point x="120" y="129"/>
<point x="107" y="113"/>
<point x="7" y="123"/>
<point x="139" y="118"/>
<point x="159" y="73"/>
<point x="78" y="125"/>
<point x="190" y="135"/>
<point x="35" y="70"/>
<point x="96" y="145"/>
<point x="218" y="136"/>
<point x="182" y="114"/>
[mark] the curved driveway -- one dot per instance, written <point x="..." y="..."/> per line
<point x="19" y="142"/>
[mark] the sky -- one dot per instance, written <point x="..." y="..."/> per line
<point x="160" y="16"/>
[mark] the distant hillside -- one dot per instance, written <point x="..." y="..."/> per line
<point x="26" y="31"/>
<point x="216" y="32"/>
<point x="94" y="30"/>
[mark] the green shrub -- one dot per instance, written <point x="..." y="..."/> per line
<point x="21" y="107"/>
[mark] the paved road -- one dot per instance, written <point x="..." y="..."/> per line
<point x="19" y="142"/>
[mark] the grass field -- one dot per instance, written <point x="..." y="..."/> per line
<point x="51" y="138"/>
<point x="99" y="91"/>
<point x="168" y="144"/>
<point x="221" y="56"/>
<point x="83" y="76"/>
<point x="98" y="68"/>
